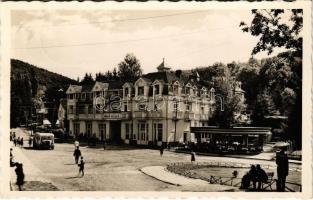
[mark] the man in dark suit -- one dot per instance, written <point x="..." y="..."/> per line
<point x="282" y="169"/>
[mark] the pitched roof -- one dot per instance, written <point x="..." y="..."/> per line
<point x="166" y="76"/>
<point x="113" y="85"/>
<point x="74" y="89"/>
<point x="87" y="88"/>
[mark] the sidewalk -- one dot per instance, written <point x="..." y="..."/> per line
<point x="261" y="156"/>
<point x="161" y="174"/>
<point x="34" y="178"/>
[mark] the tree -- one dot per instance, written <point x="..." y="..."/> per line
<point x="129" y="69"/>
<point x="87" y="79"/>
<point x="273" y="32"/>
<point x="281" y="75"/>
<point x="232" y="103"/>
<point x="250" y="79"/>
<point x="264" y="106"/>
<point x="115" y="74"/>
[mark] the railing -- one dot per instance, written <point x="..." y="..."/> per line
<point x="86" y="116"/>
<point x="189" y="116"/>
<point x="204" y="117"/>
<point x="176" y="115"/>
<point x="184" y="168"/>
<point x="155" y="114"/>
<point x="71" y="116"/>
<point x="140" y="114"/>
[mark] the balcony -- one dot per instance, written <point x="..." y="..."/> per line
<point x="71" y="116"/>
<point x="85" y="116"/>
<point x="155" y="114"/>
<point x="188" y="116"/>
<point x="71" y="101"/>
<point x="204" y="117"/>
<point x="140" y="114"/>
<point x="177" y="115"/>
<point x="113" y="116"/>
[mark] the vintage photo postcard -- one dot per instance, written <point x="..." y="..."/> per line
<point x="156" y="99"/>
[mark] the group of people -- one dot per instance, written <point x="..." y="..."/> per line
<point x="255" y="175"/>
<point x="19" y="141"/>
<point x="77" y="154"/>
<point x="258" y="175"/>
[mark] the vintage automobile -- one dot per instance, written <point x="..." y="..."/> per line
<point x="43" y="141"/>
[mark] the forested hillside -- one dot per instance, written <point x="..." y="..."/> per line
<point x="34" y="88"/>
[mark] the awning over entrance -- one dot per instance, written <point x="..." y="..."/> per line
<point x="232" y="131"/>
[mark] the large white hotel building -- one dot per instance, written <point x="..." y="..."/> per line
<point x="157" y="108"/>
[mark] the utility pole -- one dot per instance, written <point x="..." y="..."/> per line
<point x="175" y="124"/>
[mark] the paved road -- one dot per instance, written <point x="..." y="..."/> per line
<point x="113" y="169"/>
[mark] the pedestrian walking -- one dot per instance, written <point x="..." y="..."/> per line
<point x="18" y="141"/>
<point x="19" y="175"/>
<point x="193" y="156"/>
<point x="104" y="145"/>
<point x="77" y="154"/>
<point x="81" y="166"/>
<point x="14" y="141"/>
<point x="282" y="169"/>
<point x="76" y="144"/>
<point x="161" y="150"/>
<point x="22" y="142"/>
<point x="30" y="141"/>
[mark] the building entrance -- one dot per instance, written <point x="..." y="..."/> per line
<point x="115" y="131"/>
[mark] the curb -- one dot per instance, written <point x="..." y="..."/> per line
<point x="158" y="179"/>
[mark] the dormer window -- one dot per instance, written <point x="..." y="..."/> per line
<point x="187" y="90"/>
<point x="126" y="92"/>
<point x="175" y="90"/>
<point x="141" y="90"/>
<point x="157" y="89"/>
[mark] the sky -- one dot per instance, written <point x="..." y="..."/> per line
<point x="73" y="42"/>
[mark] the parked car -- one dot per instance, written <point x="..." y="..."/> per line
<point x="43" y="141"/>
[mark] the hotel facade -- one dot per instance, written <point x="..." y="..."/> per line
<point x="157" y="108"/>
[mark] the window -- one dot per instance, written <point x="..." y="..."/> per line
<point x="90" y="109"/>
<point x="202" y="109"/>
<point x="88" y="129"/>
<point x="141" y="90"/>
<point x="102" y="131"/>
<point x="71" y="110"/>
<point x="142" y="131"/>
<point x="76" y="129"/>
<point x="127" y="130"/>
<point x="188" y="106"/>
<point x="157" y="89"/>
<point x="160" y="132"/>
<point x="187" y="90"/>
<point x="126" y="92"/>
<point x="175" y="90"/>
<point x="83" y="96"/>
<point x="175" y="105"/>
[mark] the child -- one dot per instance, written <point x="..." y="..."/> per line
<point x="81" y="166"/>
